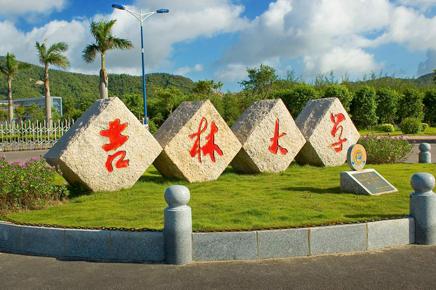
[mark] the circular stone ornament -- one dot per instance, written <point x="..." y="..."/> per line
<point x="356" y="157"/>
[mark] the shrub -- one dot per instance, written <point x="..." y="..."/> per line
<point x="386" y="128"/>
<point x="387" y="104"/>
<point x="424" y="126"/>
<point x="363" y="108"/>
<point x="385" y="150"/>
<point x="27" y="185"/>
<point x="296" y="98"/>
<point x="341" y="92"/>
<point x="411" y="105"/>
<point x="410" y="125"/>
<point x="430" y="107"/>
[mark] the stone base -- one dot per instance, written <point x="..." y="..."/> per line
<point x="367" y="181"/>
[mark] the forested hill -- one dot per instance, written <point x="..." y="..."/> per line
<point x="81" y="86"/>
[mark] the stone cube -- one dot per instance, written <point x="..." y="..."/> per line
<point x="269" y="136"/>
<point x="329" y="133"/>
<point x="197" y="143"/>
<point x="107" y="148"/>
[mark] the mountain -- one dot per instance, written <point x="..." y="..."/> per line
<point x="426" y="79"/>
<point x="77" y="86"/>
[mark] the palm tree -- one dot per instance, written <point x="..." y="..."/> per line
<point x="51" y="56"/>
<point x="104" y="41"/>
<point x="10" y="68"/>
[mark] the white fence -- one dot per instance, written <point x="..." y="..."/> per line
<point x="30" y="135"/>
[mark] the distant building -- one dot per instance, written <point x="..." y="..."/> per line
<point x="40" y="102"/>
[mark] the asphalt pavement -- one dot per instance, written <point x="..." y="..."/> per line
<point x="411" y="267"/>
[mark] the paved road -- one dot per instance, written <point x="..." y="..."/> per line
<point x="412" y="157"/>
<point x="22" y="155"/>
<point x="412" y="267"/>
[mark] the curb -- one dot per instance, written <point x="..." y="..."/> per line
<point x="145" y="246"/>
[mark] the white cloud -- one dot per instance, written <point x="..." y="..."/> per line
<point x="185" y="70"/>
<point x="342" y="61"/>
<point x="22" y="7"/>
<point x="231" y="72"/>
<point x="411" y="28"/>
<point x="74" y="33"/>
<point x="429" y="64"/>
<point x="187" y="21"/>
<point x="332" y="35"/>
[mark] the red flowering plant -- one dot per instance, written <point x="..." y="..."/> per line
<point x="28" y="185"/>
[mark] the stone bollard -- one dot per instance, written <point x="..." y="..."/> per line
<point x="424" y="153"/>
<point x="178" y="226"/>
<point x="423" y="208"/>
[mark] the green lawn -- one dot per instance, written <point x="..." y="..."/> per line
<point x="430" y="131"/>
<point x="301" y="196"/>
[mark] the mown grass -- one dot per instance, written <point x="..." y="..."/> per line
<point x="300" y="196"/>
<point x="430" y="131"/>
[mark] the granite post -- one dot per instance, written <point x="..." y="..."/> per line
<point x="178" y="226"/>
<point x="423" y="208"/>
<point x="424" y="153"/>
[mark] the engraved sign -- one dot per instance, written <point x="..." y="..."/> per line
<point x="367" y="181"/>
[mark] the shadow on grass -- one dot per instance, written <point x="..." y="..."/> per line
<point x="375" y="216"/>
<point x="318" y="190"/>
<point x="159" y="179"/>
<point x="76" y="190"/>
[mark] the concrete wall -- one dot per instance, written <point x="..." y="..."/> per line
<point x="124" y="246"/>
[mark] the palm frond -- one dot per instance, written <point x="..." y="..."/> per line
<point x="120" y="43"/>
<point x="42" y="52"/>
<point x="57" y="47"/>
<point x="90" y="52"/>
<point x="59" y="60"/>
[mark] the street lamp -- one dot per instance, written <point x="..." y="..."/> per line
<point x="141" y="16"/>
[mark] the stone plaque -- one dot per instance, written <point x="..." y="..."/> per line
<point x="329" y="133"/>
<point x="107" y="148"/>
<point x="197" y="143"/>
<point x="270" y="139"/>
<point x="367" y="181"/>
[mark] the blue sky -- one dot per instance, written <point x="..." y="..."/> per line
<point x="219" y="39"/>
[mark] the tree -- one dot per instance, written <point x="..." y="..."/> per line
<point x="434" y="76"/>
<point x="135" y="103"/>
<point x="104" y="41"/>
<point x="411" y="105"/>
<point x="260" y="80"/>
<point x="430" y="107"/>
<point x="10" y="68"/>
<point x="52" y="55"/>
<point x="207" y="87"/>
<point x="231" y="107"/>
<point x="363" y="107"/>
<point x="341" y="92"/>
<point x="296" y="98"/>
<point x="387" y="104"/>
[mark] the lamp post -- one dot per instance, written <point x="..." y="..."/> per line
<point x="141" y="16"/>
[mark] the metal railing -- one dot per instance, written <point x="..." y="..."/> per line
<point x="31" y="135"/>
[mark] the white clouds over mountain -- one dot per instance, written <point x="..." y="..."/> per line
<point x="324" y="35"/>
<point x="332" y="35"/>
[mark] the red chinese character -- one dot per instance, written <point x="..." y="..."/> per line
<point x="275" y="147"/>
<point x="116" y="140"/>
<point x="210" y="147"/>
<point x="121" y="163"/>
<point x="336" y="119"/>
<point x="114" y="134"/>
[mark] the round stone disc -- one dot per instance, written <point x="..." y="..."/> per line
<point x="356" y="157"/>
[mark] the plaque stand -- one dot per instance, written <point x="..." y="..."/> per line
<point x="367" y="181"/>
